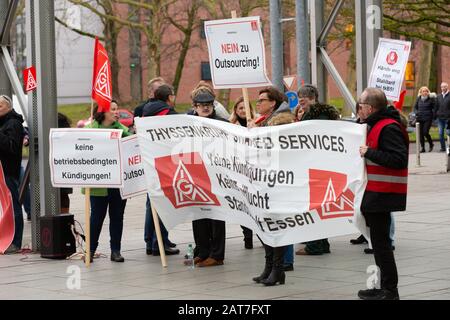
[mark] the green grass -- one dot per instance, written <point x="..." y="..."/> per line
<point x="76" y="112"/>
<point x="434" y="132"/>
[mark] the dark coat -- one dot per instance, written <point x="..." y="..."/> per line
<point x="153" y="107"/>
<point x="140" y="108"/>
<point x="319" y="111"/>
<point x="443" y="106"/>
<point x="11" y="140"/>
<point x="211" y="116"/>
<point x="392" y="153"/>
<point x="425" y="110"/>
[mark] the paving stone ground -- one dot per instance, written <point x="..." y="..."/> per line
<point x="422" y="254"/>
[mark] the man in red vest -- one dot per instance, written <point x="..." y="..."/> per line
<point x="386" y="155"/>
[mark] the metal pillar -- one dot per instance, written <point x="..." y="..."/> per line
<point x="42" y="105"/>
<point x="276" y="44"/>
<point x="318" y="72"/>
<point x="5" y="85"/>
<point x="369" y="29"/>
<point x="302" y="37"/>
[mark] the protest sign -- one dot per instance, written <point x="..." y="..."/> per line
<point x="289" y="184"/>
<point x="389" y="66"/>
<point x="236" y="53"/>
<point x="6" y="214"/>
<point x="86" y="158"/>
<point x="133" y="171"/>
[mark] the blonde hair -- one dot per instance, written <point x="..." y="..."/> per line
<point x="157" y="79"/>
<point x="422" y="88"/>
<point x="234" y="117"/>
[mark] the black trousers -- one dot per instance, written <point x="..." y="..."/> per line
<point x="209" y="237"/>
<point x="248" y="233"/>
<point x="380" y="224"/>
<point x="425" y="132"/>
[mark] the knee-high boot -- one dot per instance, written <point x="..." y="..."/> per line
<point x="268" y="265"/>
<point x="277" y="274"/>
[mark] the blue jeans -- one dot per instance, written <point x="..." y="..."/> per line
<point x="289" y="255"/>
<point x="149" y="229"/>
<point x="13" y="186"/>
<point x="99" y="206"/>
<point x="442" y="123"/>
<point x="26" y="200"/>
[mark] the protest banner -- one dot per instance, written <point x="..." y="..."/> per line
<point x="389" y="67"/>
<point x="289" y="184"/>
<point x="86" y="158"/>
<point x="236" y="53"/>
<point x="6" y="214"/>
<point x="133" y="171"/>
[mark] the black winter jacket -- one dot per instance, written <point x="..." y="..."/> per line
<point x="153" y="107"/>
<point x="425" y="110"/>
<point x="11" y="140"/>
<point x="443" y="106"/>
<point x="392" y="153"/>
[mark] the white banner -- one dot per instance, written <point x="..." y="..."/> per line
<point x="289" y="184"/>
<point x="236" y="53"/>
<point x="85" y="158"/>
<point x="133" y="171"/>
<point x="389" y="65"/>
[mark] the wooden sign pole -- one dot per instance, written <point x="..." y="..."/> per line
<point x="248" y="114"/>
<point x="162" y="252"/>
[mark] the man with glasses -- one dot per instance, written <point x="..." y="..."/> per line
<point x="386" y="155"/>
<point x="11" y="140"/>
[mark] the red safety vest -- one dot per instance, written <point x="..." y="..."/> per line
<point x="379" y="178"/>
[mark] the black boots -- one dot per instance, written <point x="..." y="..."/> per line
<point x="117" y="257"/>
<point x="277" y="273"/>
<point x="248" y="243"/>
<point x="267" y="268"/>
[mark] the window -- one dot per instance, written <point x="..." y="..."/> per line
<point x="205" y="71"/>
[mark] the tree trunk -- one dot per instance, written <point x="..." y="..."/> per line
<point x="423" y="77"/>
<point x="111" y="33"/>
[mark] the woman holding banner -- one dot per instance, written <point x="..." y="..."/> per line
<point x="209" y="234"/>
<point x="238" y="117"/>
<point x="102" y="198"/>
<point x="271" y="103"/>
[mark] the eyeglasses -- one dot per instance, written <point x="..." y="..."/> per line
<point x="204" y="105"/>
<point x="259" y="101"/>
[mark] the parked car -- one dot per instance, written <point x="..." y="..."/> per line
<point x="126" y="118"/>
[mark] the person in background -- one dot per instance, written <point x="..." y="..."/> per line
<point x="162" y="103"/>
<point x="271" y="103"/>
<point x="64" y="122"/>
<point x="11" y="140"/>
<point x="238" y="117"/>
<point x="425" y="112"/>
<point x="313" y="110"/>
<point x="209" y="234"/>
<point x="107" y="199"/>
<point x="219" y="109"/>
<point x="26" y="196"/>
<point x="443" y="113"/>
<point x="152" y="85"/>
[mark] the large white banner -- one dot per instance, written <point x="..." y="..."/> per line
<point x="133" y="171"/>
<point x="289" y="184"/>
<point x="236" y="53"/>
<point x="389" y="65"/>
<point x="85" y="158"/>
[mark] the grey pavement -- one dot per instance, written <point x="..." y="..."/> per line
<point x="422" y="254"/>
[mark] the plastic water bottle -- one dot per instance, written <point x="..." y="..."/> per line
<point x="190" y="257"/>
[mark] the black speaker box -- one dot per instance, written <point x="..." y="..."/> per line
<point x="57" y="239"/>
